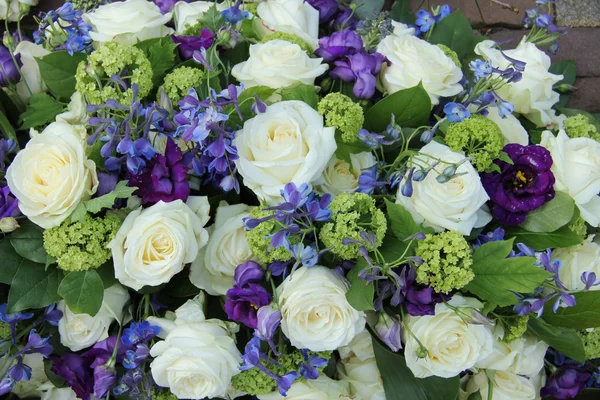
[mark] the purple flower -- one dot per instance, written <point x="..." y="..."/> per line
<point x="249" y="272"/>
<point x="9" y="206"/>
<point x="361" y="68"/>
<point x="139" y="332"/>
<point x="565" y="383"/>
<point x="9" y="73"/>
<point x="107" y="182"/>
<point x="344" y="19"/>
<point x="166" y="5"/>
<point x="339" y="44"/>
<point x="189" y="44"/>
<point x="424" y="20"/>
<point x="76" y="372"/>
<point x="105" y="377"/>
<point x="389" y="331"/>
<point x="164" y="177"/>
<point x="267" y="324"/>
<point x="309" y="367"/>
<point x="521" y="187"/>
<point x="243" y="302"/>
<point x="326" y="8"/>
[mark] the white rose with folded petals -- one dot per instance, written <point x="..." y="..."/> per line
<point x="196" y="360"/>
<point x="452" y="344"/>
<point x="189" y="13"/>
<point x="340" y="177"/>
<point x="127" y="22"/>
<point x="51" y="392"/>
<point x="79" y="331"/>
<point x="322" y="388"/>
<point x="511" y="128"/>
<point x="532" y="96"/>
<point x="155" y="243"/>
<point x="52" y="174"/>
<point x="576" y="167"/>
<point x="227" y="248"/>
<point x="576" y="260"/>
<point x="76" y="113"/>
<point x="292" y="16"/>
<point x="507" y="386"/>
<point x="415" y="61"/>
<point x="287" y="143"/>
<point x="32" y="82"/>
<point x="327" y="321"/>
<point x="455" y="205"/>
<point x="278" y="64"/>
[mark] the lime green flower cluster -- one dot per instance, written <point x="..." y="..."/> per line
<point x="578" y="227"/>
<point x="80" y="246"/>
<point x="579" y="125"/>
<point x="352" y="213"/>
<point x="162" y="395"/>
<point x="479" y="138"/>
<point x="451" y="54"/>
<point x="288" y="37"/>
<point x="516" y="330"/>
<point x="447" y="261"/>
<point x="591" y="343"/>
<point x="180" y="81"/>
<point x="255" y="382"/>
<point x="4" y="331"/>
<point x="92" y="76"/>
<point x="260" y="242"/>
<point x="343" y="114"/>
<point x="87" y="5"/>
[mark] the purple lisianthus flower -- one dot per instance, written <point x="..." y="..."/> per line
<point x="164" y="177"/>
<point x="243" y="303"/>
<point x="9" y="73"/>
<point x="248" y="272"/>
<point x="9" y="206"/>
<point x="107" y="182"/>
<point x="76" y="372"/>
<point x="189" y="44"/>
<point x="166" y="5"/>
<point x="344" y="19"/>
<point x="565" y="383"/>
<point x="339" y="44"/>
<point x="389" y="331"/>
<point x="361" y="68"/>
<point x="326" y="8"/>
<point x="521" y="187"/>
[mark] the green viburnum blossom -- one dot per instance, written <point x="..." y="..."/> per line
<point x="180" y="81"/>
<point x="352" y="213"/>
<point x="579" y="125"/>
<point x="256" y="382"/>
<point x="447" y="261"/>
<point x="516" y="330"/>
<point x="93" y="77"/>
<point x="86" y="5"/>
<point x="288" y="37"/>
<point x="193" y="29"/>
<point x="4" y="331"/>
<point x="578" y="227"/>
<point x="260" y="242"/>
<point x="162" y="395"/>
<point x="591" y="343"/>
<point x="479" y="137"/>
<point x="451" y="54"/>
<point x="80" y="246"/>
<point x="343" y="114"/>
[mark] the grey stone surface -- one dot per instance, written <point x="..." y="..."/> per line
<point x="493" y="14"/>
<point x="587" y="95"/>
<point x="578" y="13"/>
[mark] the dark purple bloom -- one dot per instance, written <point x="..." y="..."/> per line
<point x="361" y="68"/>
<point x="104" y="378"/>
<point x="9" y="206"/>
<point x="76" y="372"/>
<point x="9" y="73"/>
<point x="52" y="315"/>
<point x="565" y="383"/>
<point x="166" y="5"/>
<point x="107" y="182"/>
<point x="267" y="324"/>
<point x="37" y="344"/>
<point x="326" y="8"/>
<point x="243" y="302"/>
<point x="20" y="371"/>
<point x="249" y="272"/>
<point x="13" y="318"/>
<point x="189" y="44"/>
<point x="164" y="177"/>
<point x="308" y="368"/>
<point x="339" y="44"/>
<point x="6" y="385"/>
<point x="139" y="332"/>
<point x="344" y="19"/>
<point x="521" y="187"/>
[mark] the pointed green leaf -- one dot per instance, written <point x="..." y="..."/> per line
<point x="583" y="315"/>
<point x="58" y="72"/>
<point x="562" y="339"/>
<point x="28" y="242"/>
<point x="122" y="191"/>
<point x="360" y="295"/>
<point x="83" y="292"/>
<point x="454" y="31"/>
<point x="560" y="238"/>
<point x="41" y="110"/>
<point x="11" y="261"/>
<point x="551" y="216"/>
<point x="34" y="287"/>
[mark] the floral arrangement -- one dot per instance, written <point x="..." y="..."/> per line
<point x="301" y="199"/>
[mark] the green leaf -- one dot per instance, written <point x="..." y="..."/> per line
<point x="7" y="129"/>
<point x="28" y="242"/>
<point x="305" y="93"/>
<point x="583" y="315"/>
<point x="78" y="213"/>
<point x="161" y="54"/>
<point x="107" y="274"/>
<point x="180" y="286"/>
<point x="360" y="295"/>
<point x="58" y="72"/>
<point x="399" y="383"/>
<point x="344" y="149"/>
<point x="402" y="12"/>
<point x="52" y="377"/>
<point x="504" y="157"/>
<point x="83" y="292"/>
<point x="212" y="19"/>
<point x="34" y="287"/>
<point x="402" y="224"/>
<point x="551" y="216"/>
<point x="567" y="69"/>
<point x="411" y="107"/>
<point x="245" y="101"/>
<point x="122" y="191"/>
<point x="562" y="339"/>
<point x="41" y="110"/>
<point x="563" y="237"/>
<point x="11" y="261"/>
<point x="367" y="8"/>
<point x="569" y="112"/>
<point x="454" y="31"/>
<point x="496" y="276"/>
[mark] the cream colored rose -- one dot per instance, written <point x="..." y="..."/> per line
<point x="322" y="388"/>
<point x="510" y="126"/>
<point x="9" y="9"/>
<point x="155" y="243"/>
<point x="291" y="16"/>
<point x="127" y="22"/>
<point x="76" y="113"/>
<point x="327" y="321"/>
<point x="507" y="386"/>
<point x="450" y="345"/>
<point x="455" y="205"/>
<point x="340" y="177"/>
<point x="287" y="143"/>
<point x="415" y="61"/>
<point x="576" y="260"/>
<point x="79" y="331"/>
<point x="278" y="64"/>
<point x="51" y="175"/>
<point x="189" y="13"/>
<point x="31" y="82"/>
<point x="576" y="167"/>
<point x="227" y="248"/>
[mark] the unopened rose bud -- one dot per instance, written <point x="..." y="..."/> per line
<point x="8" y="224"/>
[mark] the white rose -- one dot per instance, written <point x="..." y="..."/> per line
<point x="9" y="9"/>
<point x="30" y="388"/>
<point x="287" y="143"/>
<point x="79" y="331"/>
<point x="32" y="82"/>
<point x="414" y="60"/>
<point x="189" y="13"/>
<point x="278" y="64"/>
<point x="507" y="386"/>
<point x="51" y="392"/>
<point x="76" y="113"/>
<point x="196" y="360"/>
<point x="532" y="96"/>
<point x="510" y="126"/>
<point x="322" y="388"/>
<point x="51" y="175"/>
<point x="576" y="167"/>
<point x="340" y="177"/>
<point x="576" y="260"/>
<point x="155" y="243"/>
<point x="127" y="22"/>
<point x="227" y="248"/>
<point x="455" y="205"/>
<point x="327" y="321"/>
<point x="291" y="16"/>
<point x="452" y="344"/>
<point x="401" y="29"/>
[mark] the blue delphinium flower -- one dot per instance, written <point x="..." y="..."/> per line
<point x="425" y="20"/>
<point x="456" y="112"/>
